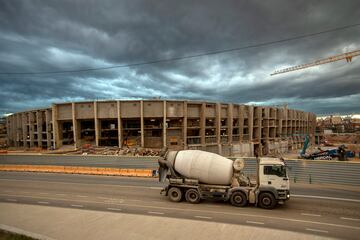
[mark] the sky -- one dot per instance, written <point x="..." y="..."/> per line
<point x="55" y="36"/>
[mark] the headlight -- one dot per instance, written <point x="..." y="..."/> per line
<point x="288" y="196"/>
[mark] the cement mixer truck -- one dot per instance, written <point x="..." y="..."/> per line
<point x="198" y="175"/>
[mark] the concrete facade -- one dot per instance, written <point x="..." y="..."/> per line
<point x="228" y="129"/>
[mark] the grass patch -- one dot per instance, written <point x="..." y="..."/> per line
<point x="5" y="235"/>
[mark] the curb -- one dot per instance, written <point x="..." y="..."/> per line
<point x="80" y="170"/>
<point x="19" y="231"/>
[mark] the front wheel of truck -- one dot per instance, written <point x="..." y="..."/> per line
<point x="175" y="194"/>
<point x="267" y="200"/>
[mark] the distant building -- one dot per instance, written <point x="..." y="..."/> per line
<point x="3" y="133"/>
<point x="228" y="129"/>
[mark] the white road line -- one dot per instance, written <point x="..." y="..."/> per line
<point x="203" y="217"/>
<point x="114" y="209"/>
<point x="310" y="214"/>
<point x="252" y="222"/>
<point x="43" y="193"/>
<point x="76" y="205"/>
<point x="211" y="212"/>
<point x="40" y="202"/>
<point x="82" y="196"/>
<point x="103" y="198"/>
<point x="157" y="213"/>
<point x="60" y="194"/>
<point x="11" y="200"/>
<point x="350" y="219"/>
<point x="156" y="188"/>
<point x="327" y="198"/>
<point x="316" y="230"/>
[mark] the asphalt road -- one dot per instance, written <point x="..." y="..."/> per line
<point x="83" y="161"/>
<point x="326" y="211"/>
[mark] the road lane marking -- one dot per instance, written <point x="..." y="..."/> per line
<point x="326" y="198"/>
<point x="60" y="194"/>
<point x="157" y="213"/>
<point x="350" y="219"/>
<point x="114" y="209"/>
<point x="201" y="211"/>
<point x="310" y="214"/>
<point x="157" y="188"/>
<point x="77" y="205"/>
<point x="82" y="196"/>
<point x="203" y="217"/>
<point x="316" y="230"/>
<point x="103" y="198"/>
<point x="252" y="222"/>
<point x="41" y="202"/>
<point x="43" y="193"/>
<point x="11" y="200"/>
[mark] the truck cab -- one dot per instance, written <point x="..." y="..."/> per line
<point x="273" y="182"/>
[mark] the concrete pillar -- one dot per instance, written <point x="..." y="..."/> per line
<point x="185" y="125"/>
<point x="218" y="122"/>
<point x="230" y="120"/>
<point x="24" y="128"/>
<point x="18" y="129"/>
<point x="8" y="134"/>
<point x="48" y="128"/>
<point x="218" y="127"/>
<point x="39" y="127"/>
<point x="75" y="126"/>
<point x="164" y="124"/>
<point x="31" y="129"/>
<point x="251" y="122"/>
<point x="97" y="127"/>
<point x="202" y="124"/>
<point x="119" y="123"/>
<point x="142" y="123"/>
<point x="57" y="143"/>
<point x="241" y="123"/>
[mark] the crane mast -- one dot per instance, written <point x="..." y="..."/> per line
<point x="347" y="56"/>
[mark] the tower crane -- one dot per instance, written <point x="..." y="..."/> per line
<point x="347" y="56"/>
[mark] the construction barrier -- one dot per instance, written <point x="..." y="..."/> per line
<point x="79" y="170"/>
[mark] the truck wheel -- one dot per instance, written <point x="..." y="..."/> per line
<point x="175" y="194"/>
<point x="238" y="199"/>
<point x="192" y="196"/>
<point x="267" y="201"/>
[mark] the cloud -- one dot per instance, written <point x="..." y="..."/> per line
<point x="56" y="36"/>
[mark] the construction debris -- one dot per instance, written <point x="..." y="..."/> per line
<point x="88" y="149"/>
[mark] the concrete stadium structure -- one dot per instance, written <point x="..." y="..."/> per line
<point x="228" y="129"/>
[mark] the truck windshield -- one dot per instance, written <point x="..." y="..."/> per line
<point x="278" y="170"/>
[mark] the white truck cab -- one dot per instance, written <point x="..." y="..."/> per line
<point x="273" y="178"/>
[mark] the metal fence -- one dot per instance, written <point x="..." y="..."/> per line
<point x="306" y="171"/>
<point x="321" y="171"/>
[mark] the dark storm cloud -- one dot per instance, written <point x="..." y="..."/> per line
<point x="64" y="35"/>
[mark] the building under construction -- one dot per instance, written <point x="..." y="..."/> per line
<point x="228" y="129"/>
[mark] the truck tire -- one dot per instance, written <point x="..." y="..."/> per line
<point x="267" y="200"/>
<point x="175" y="194"/>
<point x="238" y="199"/>
<point x="192" y="196"/>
